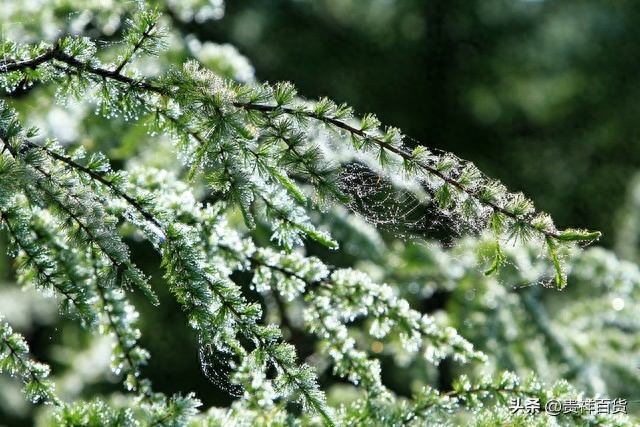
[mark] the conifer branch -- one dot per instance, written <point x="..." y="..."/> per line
<point x="525" y="220"/>
<point x="406" y="155"/>
<point x="48" y="278"/>
<point x="33" y="373"/>
<point x="331" y="288"/>
<point x="279" y="133"/>
<point x="228" y="306"/>
<point x="56" y="53"/>
<point x="99" y="178"/>
<point x="149" y="29"/>
<point x="468" y="395"/>
<point x="251" y="331"/>
<point x="61" y="205"/>
<point x="127" y="342"/>
<point x="446" y="399"/>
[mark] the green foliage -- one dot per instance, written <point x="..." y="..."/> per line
<point x="253" y="181"/>
<point x="15" y="352"/>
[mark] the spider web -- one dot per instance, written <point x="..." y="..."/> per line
<point x="402" y="208"/>
<point x="217" y="364"/>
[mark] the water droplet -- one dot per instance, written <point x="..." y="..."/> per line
<point x="617" y="304"/>
<point x="217" y="365"/>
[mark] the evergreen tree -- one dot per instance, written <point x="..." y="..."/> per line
<point x="195" y="187"/>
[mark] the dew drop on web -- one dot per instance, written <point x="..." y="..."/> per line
<point x="217" y="364"/>
<point x="391" y="207"/>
